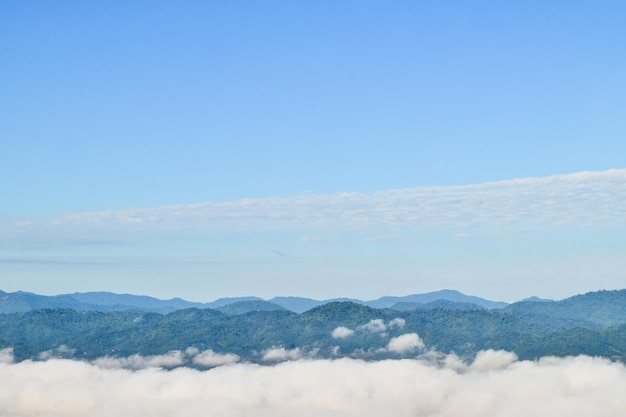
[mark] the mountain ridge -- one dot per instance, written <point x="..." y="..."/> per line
<point x="592" y="324"/>
<point x="104" y="301"/>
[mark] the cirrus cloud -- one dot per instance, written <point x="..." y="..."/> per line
<point x="584" y="197"/>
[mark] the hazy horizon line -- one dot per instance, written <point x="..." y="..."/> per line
<point x="342" y="298"/>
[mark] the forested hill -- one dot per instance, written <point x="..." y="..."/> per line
<point x="592" y="324"/>
<point x="593" y="310"/>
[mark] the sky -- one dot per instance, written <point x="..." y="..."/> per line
<point x="318" y="149"/>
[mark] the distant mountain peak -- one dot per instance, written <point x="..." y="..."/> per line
<point x="445" y="294"/>
<point x="535" y="299"/>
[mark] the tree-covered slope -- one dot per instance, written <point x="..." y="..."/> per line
<point x="591" y="310"/>
<point x="331" y="330"/>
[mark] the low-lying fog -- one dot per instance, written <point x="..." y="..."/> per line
<point x="495" y="384"/>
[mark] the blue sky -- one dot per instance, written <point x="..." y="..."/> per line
<point x="208" y="149"/>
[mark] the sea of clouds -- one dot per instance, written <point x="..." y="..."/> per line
<point x="494" y="384"/>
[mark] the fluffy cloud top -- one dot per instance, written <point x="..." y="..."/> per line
<point x="169" y="360"/>
<point x="374" y="326"/>
<point x="573" y="387"/>
<point x="342" y="332"/>
<point x="491" y="359"/>
<point x="210" y="358"/>
<point x="6" y="355"/>
<point x="279" y="354"/>
<point x="397" y="322"/>
<point x="405" y="343"/>
<point x="60" y="352"/>
<point x="173" y="359"/>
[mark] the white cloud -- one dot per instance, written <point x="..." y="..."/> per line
<point x="493" y="359"/>
<point x="279" y="354"/>
<point x="379" y="326"/>
<point x="6" y="355"/>
<point x="342" y="332"/>
<point x="374" y="326"/>
<point x="309" y="239"/>
<point x="397" y="322"/>
<point x="60" y="352"/>
<point x="580" y="198"/>
<point x="169" y="360"/>
<point x="405" y="343"/>
<point x="172" y="359"/>
<point x="452" y="361"/>
<point x="573" y="387"/>
<point x="210" y="358"/>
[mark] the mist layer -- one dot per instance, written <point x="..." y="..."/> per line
<point x="495" y="384"/>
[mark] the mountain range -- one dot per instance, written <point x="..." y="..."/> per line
<point x="94" y="325"/>
<point x="106" y="301"/>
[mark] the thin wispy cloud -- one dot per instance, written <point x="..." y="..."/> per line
<point x="580" y="198"/>
<point x="60" y="352"/>
<point x="22" y="260"/>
